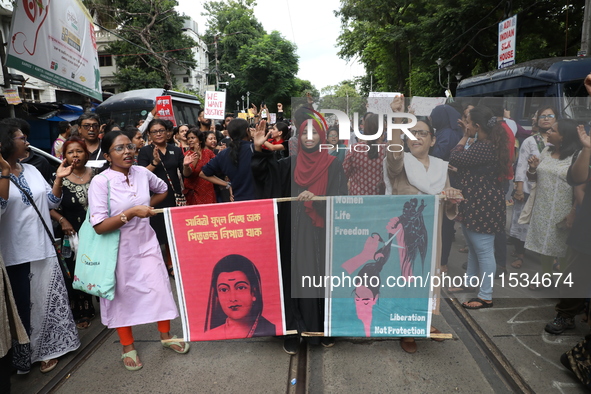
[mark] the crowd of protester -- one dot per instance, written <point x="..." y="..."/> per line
<point x="472" y="154"/>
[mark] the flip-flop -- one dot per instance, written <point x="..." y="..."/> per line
<point x="132" y="354"/>
<point x="436" y="331"/>
<point x="516" y="265"/>
<point x="80" y="322"/>
<point x="50" y="367"/>
<point x="168" y="343"/>
<point x="483" y="304"/>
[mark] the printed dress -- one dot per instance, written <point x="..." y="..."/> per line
<point x="142" y="292"/>
<point x="553" y="202"/>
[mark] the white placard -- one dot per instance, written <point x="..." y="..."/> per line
<point x="507" y="30"/>
<point x="215" y="105"/>
<point x="378" y="104"/>
<point x="422" y="106"/>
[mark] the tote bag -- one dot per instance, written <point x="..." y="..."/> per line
<point x="96" y="258"/>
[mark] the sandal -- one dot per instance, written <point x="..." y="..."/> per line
<point x="409" y="345"/>
<point x="183" y="345"/>
<point x="49" y="365"/>
<point x="83" y="323"/>
<point x="482" y="304"/>
<point x="517" y="263"/>
<point x="132" y="354"/>
<point x="436" y="331"/>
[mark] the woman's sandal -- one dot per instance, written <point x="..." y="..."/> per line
<point x="436" y="331"/>
<point x="517" y="263"/>
<point x="183" y="345"/>
<point x="49" y="365"/>
<point x="132" y="354"/>
<point x="482" y="304"/>
<point x="409" y="345"/>
<point x="83" y="323"/>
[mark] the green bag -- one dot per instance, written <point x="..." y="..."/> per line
<point x="96" y="258"/>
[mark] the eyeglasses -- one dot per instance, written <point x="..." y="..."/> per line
<point x="121" y="148"/>
<point x="89" y="126"/>
<point x="161" y="131"/>
<point x="22" y="138"/>
<point x="421" y="133"/>
<point x="546" y="117"/>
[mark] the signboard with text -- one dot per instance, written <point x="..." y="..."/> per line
<point x="507" y="30"/>
<point x="54" y="40"/>
<point x="215" y="105"/>
<point x="164" y="108"/>
<point x="12" y="97"/>
<point x="380" y="258"/>
<point x="228" y="271"/>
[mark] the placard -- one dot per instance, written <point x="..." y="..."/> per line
<point x="228" y="272"/>
<point x="422" y="106"/>
<point x="164" y="108"/>
<point x="381" y="254"/>
<point x="215" y="105"/>
<point x="12" y="97"/>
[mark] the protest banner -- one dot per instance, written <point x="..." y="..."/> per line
<point x="54" y="40"/>
<point x="381" y="256"/>
<point x="215" y="105"/>
<point x="164" y="108"/>
<point x="379" y="102"/>
<point x="228" y="272"/>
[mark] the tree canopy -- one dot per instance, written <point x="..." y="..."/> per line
<point x="399" y="41"/>
<point x="151" y="40"/>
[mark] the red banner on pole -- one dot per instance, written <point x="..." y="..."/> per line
<point x="226" y="259"/>
<point x="164" y="108"/>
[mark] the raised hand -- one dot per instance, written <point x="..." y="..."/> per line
<point x="189" y="158"/>
<point x="397" y="104"/>
<point x="279" y="107"/>
<point x="583" y="136"/>
<point x="259" y="136"/>
<point x="63" y="170"/>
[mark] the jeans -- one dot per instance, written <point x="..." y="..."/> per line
<point x="481" y="261"/>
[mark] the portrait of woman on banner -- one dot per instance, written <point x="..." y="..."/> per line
<point x="235" y="304"/>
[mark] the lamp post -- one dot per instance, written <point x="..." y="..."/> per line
<point x="243" y="102"/>
<point x="247" y="99"/>
<point x="448" y="68"/>
<point x="238" y="105"/>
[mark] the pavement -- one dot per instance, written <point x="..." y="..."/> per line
<point x="503" y="349"/>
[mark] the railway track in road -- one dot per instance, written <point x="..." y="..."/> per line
<point x="498" y="371"/>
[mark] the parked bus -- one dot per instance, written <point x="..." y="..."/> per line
<point x="527" y="86"/>
<point x="128" y="107"/>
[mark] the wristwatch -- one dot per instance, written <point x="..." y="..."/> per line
<point x="228" y="185"/>
<point x="123" y="217"/>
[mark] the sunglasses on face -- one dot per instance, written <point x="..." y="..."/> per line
<point x="89" y="126"/>
<point x="121" y="148"/>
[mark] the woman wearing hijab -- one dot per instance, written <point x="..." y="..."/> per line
<point x="308" y="174"/>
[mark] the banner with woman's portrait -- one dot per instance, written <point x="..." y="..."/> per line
<point x="381" y="257"/>
<point x="226" y="258"/>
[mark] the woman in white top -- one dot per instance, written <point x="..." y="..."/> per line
<point x="37" y="281"/>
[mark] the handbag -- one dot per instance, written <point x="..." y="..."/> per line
<point x="56" y="245"/>
<point x="525" y="216"/>
<point x="179" y="198"/>
<point x="96" y="258"/>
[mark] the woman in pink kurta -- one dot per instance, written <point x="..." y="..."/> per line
<point x="142" y="293"/>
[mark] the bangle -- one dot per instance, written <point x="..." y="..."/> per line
<point x="532" y="173"/>
<point x="60" y="221"/>
<point x="154" y="165"/>
<point x="4" y="176"/>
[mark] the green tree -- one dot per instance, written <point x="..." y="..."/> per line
<point x="343" y="96"/>
<point x="399" y="41"/>
<point x="151" y="40"/>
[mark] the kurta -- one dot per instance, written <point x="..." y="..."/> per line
<point x="366" y="176"/>
<point x="142" y="291"/>
<point x="553" y="202"/>
<point x="197" y="189"/>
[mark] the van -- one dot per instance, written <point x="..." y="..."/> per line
<point x="527" y="86"/>
<point x="128" y="108"/>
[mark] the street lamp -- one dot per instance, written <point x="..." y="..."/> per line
<point x="247" y="99"/>
<point x="238" y="105"/>
<point x="448" y="68"/>
<point x="243" y="102"/>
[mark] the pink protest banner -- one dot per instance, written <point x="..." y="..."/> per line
<point x="226" y="258"/>
<point x="164" y="108"/>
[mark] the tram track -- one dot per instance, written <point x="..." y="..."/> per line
<point x="64" y="374"/>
